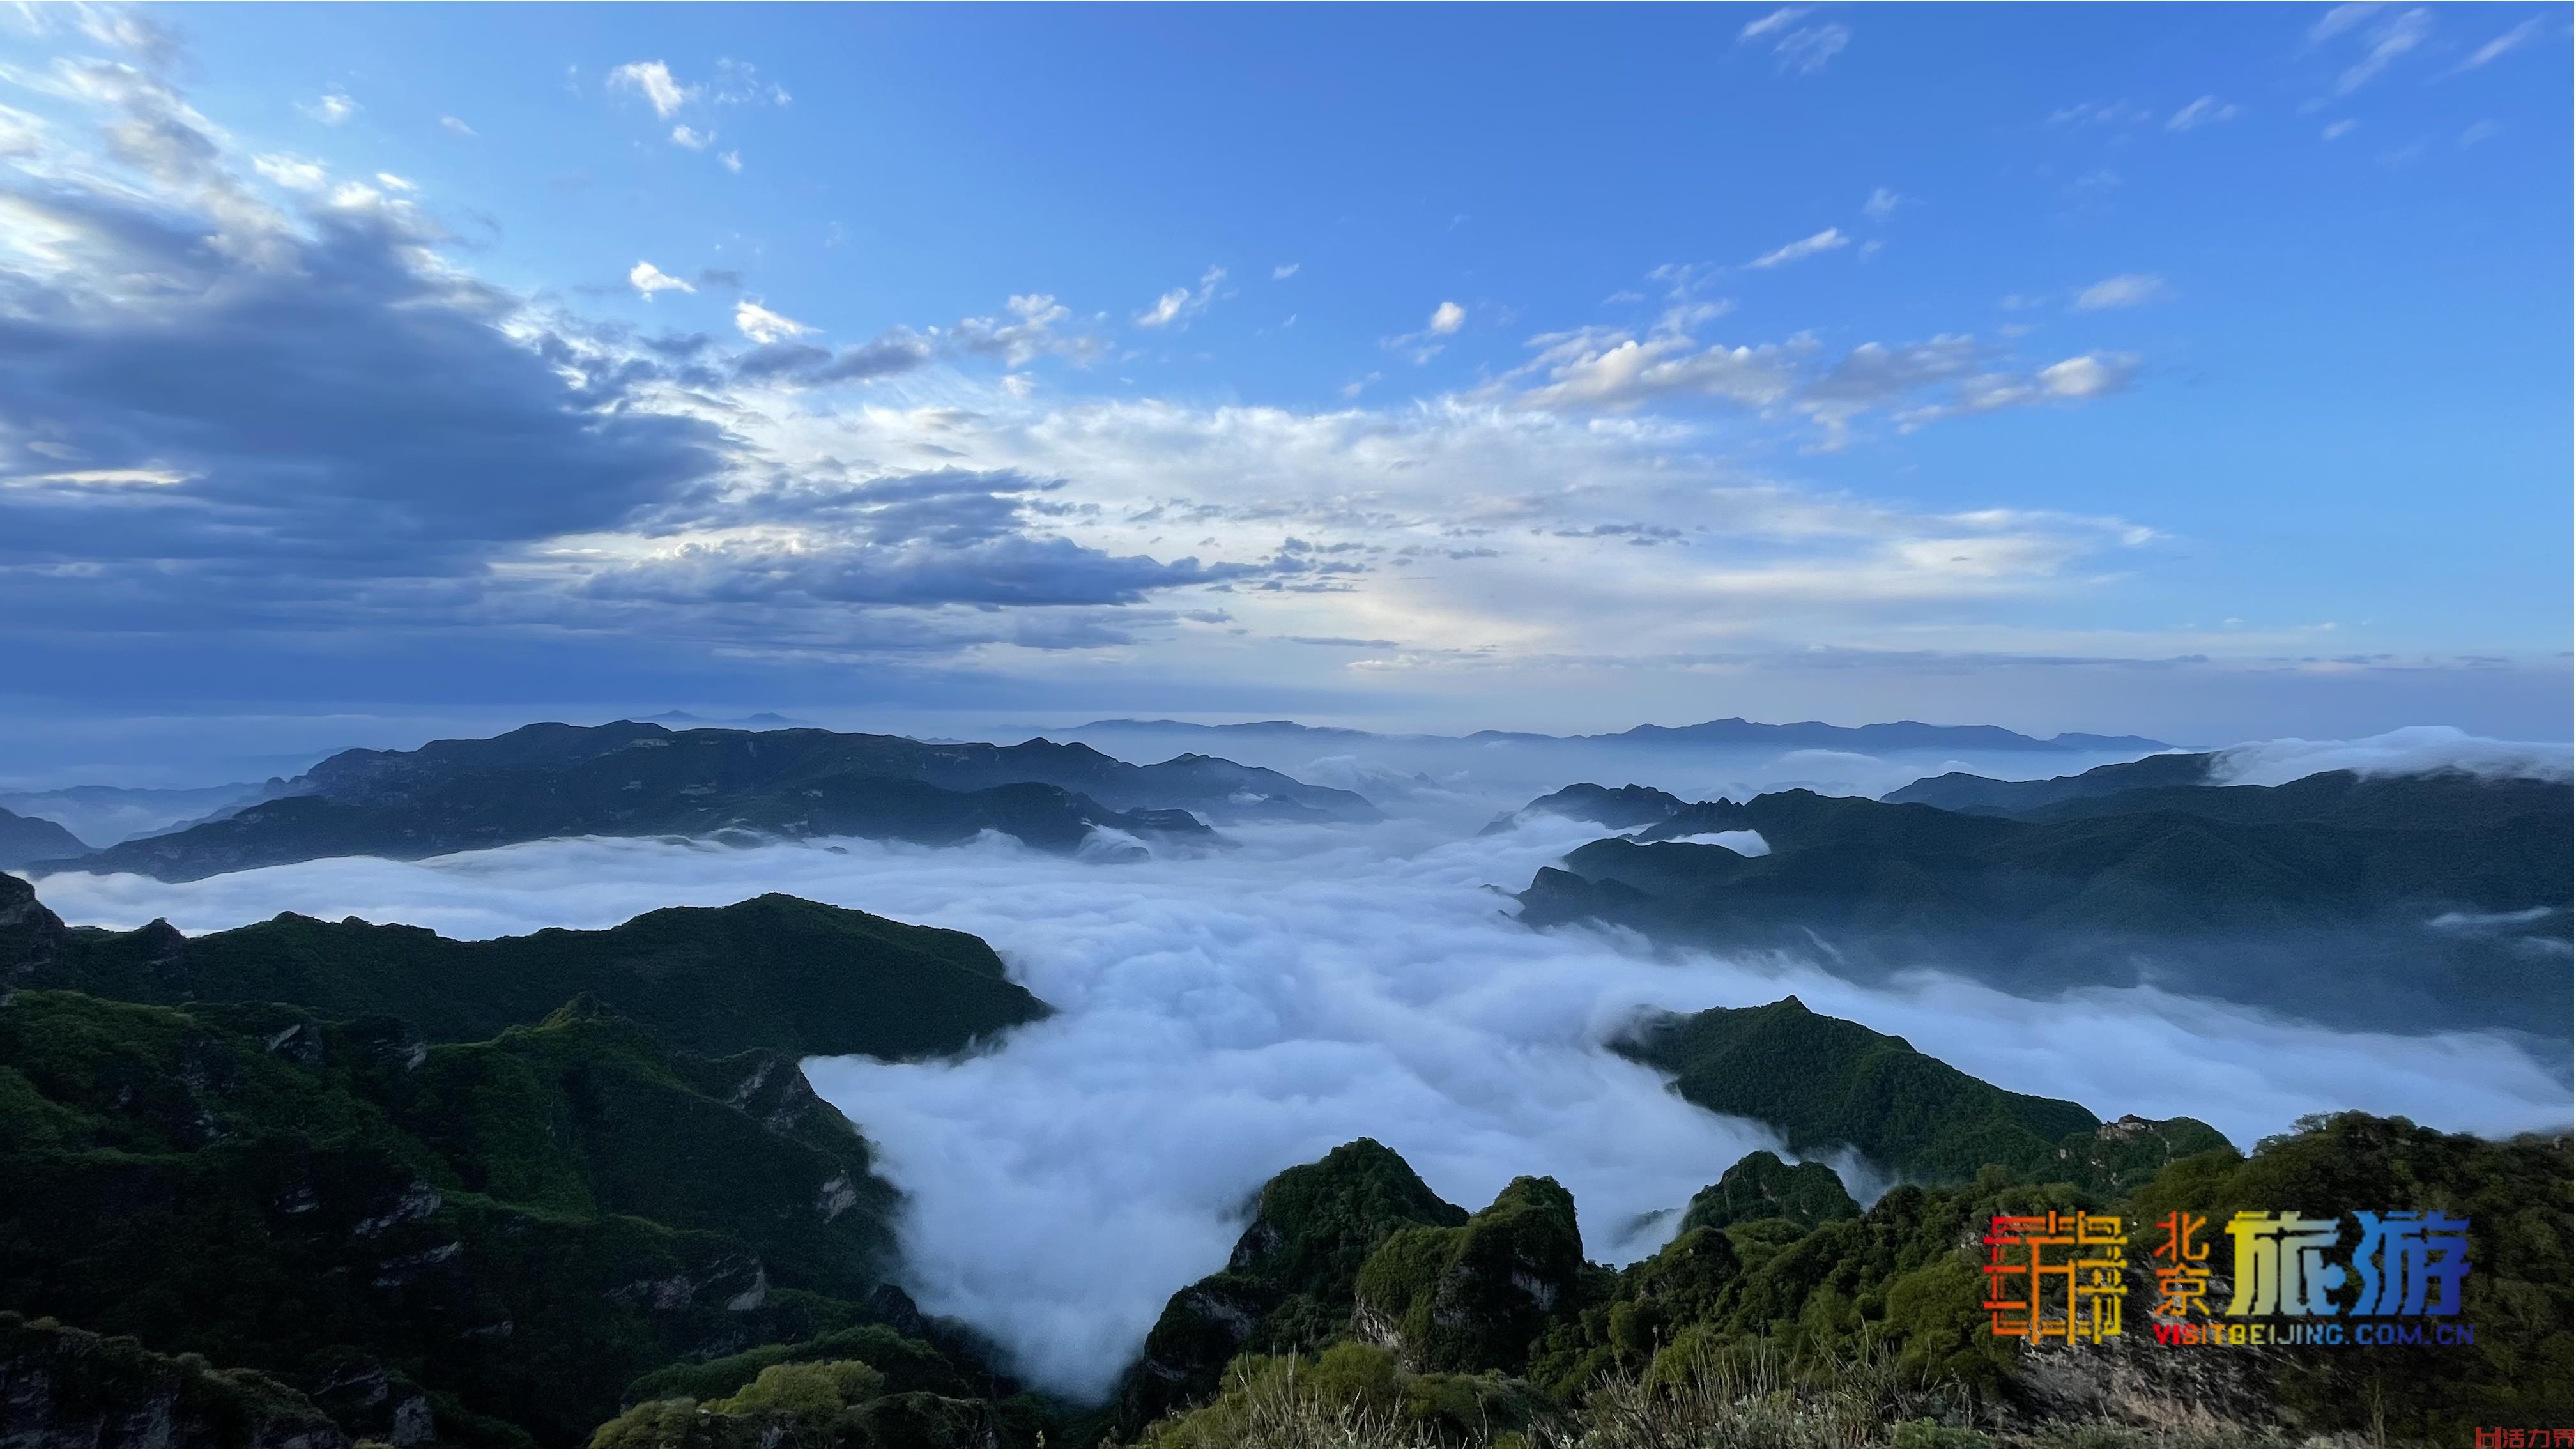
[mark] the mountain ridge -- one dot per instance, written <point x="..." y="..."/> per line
<point x="2407" y="903"/>
<point x="773" y="972"/>
<point x="1803" y="734"/>
<point x="628" y="778"/>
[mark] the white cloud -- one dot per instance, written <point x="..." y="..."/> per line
<point x="652" y="80"/>
<point x="1881" y="205"/>
<point x="2388" y="41"/>
<point x="1224" y="1016"/>
<point x="732" y="161"/>
<point x="2091" y="375"/>
<point x="1182" y="303"/>
<point x="2497" y="48"/>
<point x="2132" y="289"/>
<point x="1805" y="52"/>
<point x="333" y="107"/>
<point x="691" y="137"/>
<point x="2479" y="131"/>
<point x="1422" y="346"/>
<point x="1600" y="368"/>
<point x="762" y="325"/>
<point x="20" y="133"/>
<point x="2337" y="130"/>
<point x="2206" y="111"/>
<point x="2100" y="113"/>
<point x="1802" y="50"/>
<point x="648" y="279"/>
<point x="2078" y="379"/>
<point x="1033" y="330"/>
<point x="455" y="127"/>
<point x="292" y="172"/>
<point x="2341" y="18"/>
<point x="391" y="182"/>
<point x="1830" y="239"/>
<point x="1283" y="272"/>
<point x="1777" y="20"/>
<point x="2422" y="749"/>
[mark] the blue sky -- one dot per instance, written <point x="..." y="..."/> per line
<point x="2195" y="370"/>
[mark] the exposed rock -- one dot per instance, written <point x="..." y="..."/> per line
<point x="61" y="1388"/>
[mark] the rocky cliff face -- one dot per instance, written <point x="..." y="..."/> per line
<point x="31" y="937"/>
<point x="61" y="1388"/>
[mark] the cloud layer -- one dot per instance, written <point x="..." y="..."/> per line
<point x="1229" y="1014"/>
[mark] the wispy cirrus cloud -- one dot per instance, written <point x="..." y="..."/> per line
<point x="1828" y="240"/>
<point x="2498" y="48"/>
<point x="2130" y="289"/>
<point x="2205" y="111"/>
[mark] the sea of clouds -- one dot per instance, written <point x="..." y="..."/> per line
<point x="1223" y="1014"/>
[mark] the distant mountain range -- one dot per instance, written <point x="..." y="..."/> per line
<point x="2411" y="902"/>
<point x="26" y="838"/>
<point x="633" y="778"/>
<point x="105" y="814"/>
<point x="1903" y="736"/>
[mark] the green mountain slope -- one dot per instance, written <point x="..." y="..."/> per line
<point x="1822" y="1082"/>
<point x="1291" y="1280"/>
<point x="1760" y="1185"/>
<point x="775" y="972"/>
<point x="1855" y="1328"/>
<point x="519" y="1226"/>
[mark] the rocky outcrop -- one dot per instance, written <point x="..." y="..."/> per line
<point x="61" y="1388"/>
<point x="1474" y="1297"/>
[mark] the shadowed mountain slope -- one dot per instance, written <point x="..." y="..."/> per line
<point x="26" y="837"/>
<point x="2394" y="902"/>
<point x="774" y="972"/>
<point x="550" y="780"/>
<point x="513" y="1228"/>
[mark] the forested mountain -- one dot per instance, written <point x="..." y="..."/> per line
<point x="774" y="973"/>
<point x="2408" y="902"/>
<point x="627" y="778"/>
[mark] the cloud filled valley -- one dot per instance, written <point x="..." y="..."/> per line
<point x="1228" y="1012"/>
<point x="847" y="727"/>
